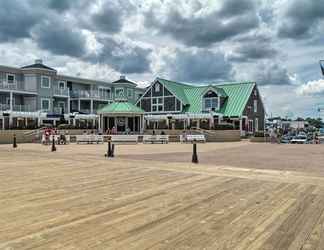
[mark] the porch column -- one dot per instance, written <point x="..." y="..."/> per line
<point x="241" y="126"/>
<point x="68" y="106"/>
<point x="3" y="123"/>
<point x="26" y="122"/>
<point x="11" y="101"/>
<point x="198" y="123"/>
<point x="91" y="106"/>
<point x="99" y="123"/>
<point x="134" y="120"/>
<point x="79" y="104"/>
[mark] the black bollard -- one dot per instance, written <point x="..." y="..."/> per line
<point x="112" y="150"/>
<point x="53" y="145"/>
<point x="109" y="149"/>
<point x="14" y="141"/>
<point x="194" y="153"/>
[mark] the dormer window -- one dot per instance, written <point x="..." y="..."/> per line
<point x="210" y="101"/>
<point x="157" y="87"/>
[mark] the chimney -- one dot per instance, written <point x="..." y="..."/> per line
<point x="38" y="61"/>
<point x="122" y="77"/>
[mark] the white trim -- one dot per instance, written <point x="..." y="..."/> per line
<point x="49" y="82"/>
<point x="130" y="91"/>
<point x="49" y="104"/>
<point x="120" y="88"/>
<point x="10" y="74"/>
<point x="173" y="95"/>
<point x="61" y="81"/>
<point x="255" y="105"/>
<point x="256" y="124"/>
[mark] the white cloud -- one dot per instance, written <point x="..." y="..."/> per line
<point x="311" y="88"/>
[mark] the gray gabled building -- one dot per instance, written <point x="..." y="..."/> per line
<point x="36" y="94"/>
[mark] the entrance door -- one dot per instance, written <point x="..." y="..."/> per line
<point x="111" y="122"/>
<point x="131" y="123"/>
<point x="121" y="124"/>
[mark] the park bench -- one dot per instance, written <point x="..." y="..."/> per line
<point x="156" y="139"/>
<point x="192" y="138"/>
<point x="89" y="139"/>
<point x="124" y="139"/>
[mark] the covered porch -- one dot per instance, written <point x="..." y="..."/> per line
<point x="183" y="121"/>
<point x="122" y="117"/>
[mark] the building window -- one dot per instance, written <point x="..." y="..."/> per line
<point x="46" y="104"/>
<point x="256" y="124"/>
<point x="46" y="82"/>
<point x="104" y="93"/>
<point x="62" y="84"/>
<point x="255" y="106"/>
<point x="129" y="93"/>
<point x="157" y="87"/>
<point x="119" y="92"/>
<point x="255" y="93"/>
<point x="211" y="103"/>
<point x="157" y="104"/>
<point x="11" y="78"/>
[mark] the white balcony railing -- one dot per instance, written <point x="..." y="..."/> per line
<point x="4" y="107"/>
<point x="17" y="108"/>
<point x="19" y="86"/>
<point x="23" y="108"/>
<point x="91" y="94"/>
<point x="61" y="92"/>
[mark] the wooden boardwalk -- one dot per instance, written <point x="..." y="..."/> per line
<point x="76" y="199"/>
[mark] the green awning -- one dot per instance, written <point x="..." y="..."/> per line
<point x="121" y="108"/>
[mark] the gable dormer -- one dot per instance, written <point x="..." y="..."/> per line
<point x="210" y="101"/>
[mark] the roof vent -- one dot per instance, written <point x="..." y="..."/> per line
<point x="38" y="61"/>
<point x="122" y="77"/>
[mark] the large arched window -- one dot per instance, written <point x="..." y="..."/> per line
<point x="210" y="101"/>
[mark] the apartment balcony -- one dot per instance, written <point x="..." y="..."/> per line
<point x="17" y="86"/>
<point x="87" y="94"/>
<point x="4" y="107"/>
<point x="17" y="108"/>
<point x="61" y="92"/>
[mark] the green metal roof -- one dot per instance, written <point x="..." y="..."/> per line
<point x="120" y="107"/>
<point x="236" y="94"/>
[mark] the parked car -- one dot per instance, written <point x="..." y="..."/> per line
<point x="286" y="139"/>
<point x="299" y="139"/>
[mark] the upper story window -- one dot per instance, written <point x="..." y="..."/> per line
<point x="62" y="84"/>
<point x="255" y="106"/>
<point x="157" y="87"/>
<point x="104" y="92"/>
<point x="46" y="82"/>
<point x="129" y="93"/>
<point x="119" y="92"/>
<point x="11" y="78"/>
<point x="157" y="104"/>
<point x="46" y="104"/>
<point x="210" y="101"/>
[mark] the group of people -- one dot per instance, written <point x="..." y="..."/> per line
<point x="53" y="132"/>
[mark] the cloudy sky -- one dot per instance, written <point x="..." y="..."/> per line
<point x="276" y="43"/>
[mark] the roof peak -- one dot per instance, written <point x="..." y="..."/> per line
<point x="38" y="64"/>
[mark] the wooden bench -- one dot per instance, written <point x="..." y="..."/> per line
<point x="193" y="138"/>
<point x="156" y="139"/>
<point x="89" y="139"/>
<point x="124" y="139"/>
